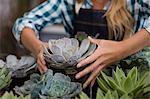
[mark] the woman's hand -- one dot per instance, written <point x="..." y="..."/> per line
<point x="40" y="61"/>
<point x="106" y="53"/>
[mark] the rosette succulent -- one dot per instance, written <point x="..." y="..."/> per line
<point x="49" y="86"/>
<point x="5" y="78"/>
<point x="18" y="67"/>
<point x="66" y="52"/>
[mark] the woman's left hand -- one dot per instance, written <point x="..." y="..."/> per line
<point x="107" y="52"/>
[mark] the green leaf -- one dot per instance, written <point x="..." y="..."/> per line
<point x="125" y="96"/>
<point x="102" y="84"/>
<point x="115" y="94"/>
<point x="105" y="77"/>
<point x="117" y="77"/>
<point x="147" y="89"/>
<point x="115" y="86"/>
<point x="141" y="81"/>
<point x="133" y="73"/>
<point x="108" y="95"/>
<point x="136" y="89"/>
<point x="83" y="96"/>
<point x="128" y="85"/>
<point x="147" y="79"/>
<point x="122" y="76"/>
<point x="99" y="94"/>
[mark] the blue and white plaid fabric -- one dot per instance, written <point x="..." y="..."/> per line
<point x="62" y="11"/>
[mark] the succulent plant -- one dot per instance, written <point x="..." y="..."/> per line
<point x="12" y="96"/>
<point x="66" y="52"/>
<point x="49" y="86"/>
<point x="134" y="84"/>
<point x="101" y="95"/>
<point x="5" y="78"/>
<point x="18" y="67"/>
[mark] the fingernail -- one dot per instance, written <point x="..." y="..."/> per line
<point x="79" y="65"/>
<point x="45" y="69"/>
<point x="77" y="76"/>
<point x="84" y="86"/>
<point x="89" y="37"/>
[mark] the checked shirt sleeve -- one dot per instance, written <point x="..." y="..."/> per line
<point x="46" y="13"/>
<point x="146" y="9"/>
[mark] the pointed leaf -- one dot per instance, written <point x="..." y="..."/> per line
<point x="102" y="84"/>
<point x="83" y="96"/>
<point x="99" y="94"/>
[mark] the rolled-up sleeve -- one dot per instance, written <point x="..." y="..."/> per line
<point x="47" y="13"/>
<point x="147" y="24"/>
<point x="146" y="10"/>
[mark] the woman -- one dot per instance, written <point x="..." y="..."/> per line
<point x="130" y="38"/>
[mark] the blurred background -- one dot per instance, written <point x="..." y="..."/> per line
<point x="10" y="10"/>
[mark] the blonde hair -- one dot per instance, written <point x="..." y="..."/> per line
<point x="119" y="20"/>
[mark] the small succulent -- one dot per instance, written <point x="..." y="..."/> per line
<point x="12" y="96"/>
<point x="66" y="52"/>
<point x="49" y="86"/>
<point x="134" y="84"/>
<point x="108" y="95"/>
<point x="18" y="67"/>
<point x="81" y="36"/>
<point x="5" y="78"/>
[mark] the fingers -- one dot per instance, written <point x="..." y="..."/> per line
<point x="89" y="69"/>
<point x="95" y="41"/>
<point x="41" y="63"/>
<point x="94" y="74"/>
<point x="89" y="59"/>
<point x="93" y="81"/>
<point x="41" y="58"/>
<point x="42" y="68"/>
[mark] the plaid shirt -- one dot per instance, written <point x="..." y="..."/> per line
<point x="62" y="11"/>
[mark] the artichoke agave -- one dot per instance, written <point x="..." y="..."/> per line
<point x="101" y="95"/>
<point x="12" y="96"/>
<point x="5" y="78"/>
<point x="49" y="86"/>
<point x="134" y="84"/>
<point x="66" y="52"/>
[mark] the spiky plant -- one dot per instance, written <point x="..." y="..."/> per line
<point x="12" y="96"/>
<point x="101" y="95"/>
<point x="5" y="78"/>
<point x="134" y="84"/>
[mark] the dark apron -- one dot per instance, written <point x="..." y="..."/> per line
<point x="92" y="22"/>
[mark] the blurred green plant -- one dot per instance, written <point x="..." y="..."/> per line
<point x="108" y="95"/>
<point x="12" y="96"/>
<point x="121" y="86"/>
<point x="5" y="78"/>
<point x="146" y="52"/>
<point x="132" y="84"/>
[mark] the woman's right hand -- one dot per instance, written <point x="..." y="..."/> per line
<point x="41" y="62"/>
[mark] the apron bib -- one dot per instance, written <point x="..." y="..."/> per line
<point x="92" y="22"/>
